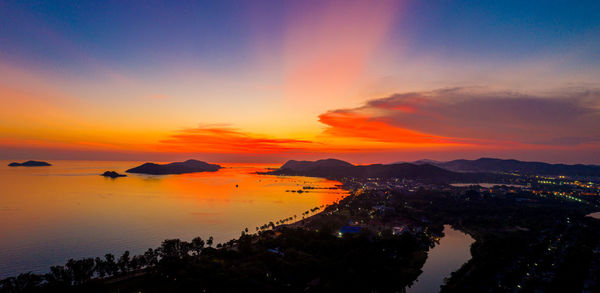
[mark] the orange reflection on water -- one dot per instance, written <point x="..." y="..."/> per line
<point x="68" y="210"/>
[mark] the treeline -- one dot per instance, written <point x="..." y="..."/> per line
<point x="110" y="267"/>
<point x="291" y="260"/>
<point x="286" y="260"/>
<point x="81" y="271"/>
<point x="287" y="220"/>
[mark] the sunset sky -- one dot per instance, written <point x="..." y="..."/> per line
<point x="267" y="81"/>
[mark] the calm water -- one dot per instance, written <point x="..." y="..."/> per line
<point x="445" y="258"/>
<point x="51" y="214"/>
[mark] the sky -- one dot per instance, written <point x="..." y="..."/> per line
<point x="266" y="81"/>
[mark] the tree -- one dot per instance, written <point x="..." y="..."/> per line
<point x="81" y="270"/>
<point x="209" y="242"/>
<point x="59" y="276"/>
<point x="27" y="282"/>
<point x="151" y="257"/>
<point x="123" y="262"/>
<point x="172" y="249"/>
<point x="245" y="244"/>
<point x="134" y="263"/>
<point x="111" y="266"/>
<point x="197" y="245"/>
<point x="137" y="262"/>
<point x="100" y="267"/>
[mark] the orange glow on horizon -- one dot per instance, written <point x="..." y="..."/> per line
<point x="331" y="78"/>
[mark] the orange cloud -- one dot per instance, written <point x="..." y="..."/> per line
<point x="349" y="124"/>
<point x="220" y="139"/>
<point x="472" y="118"/>
<point x="347" y="133"/>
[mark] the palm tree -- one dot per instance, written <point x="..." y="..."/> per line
<point x="137" y="262"/>
<point x="174" y="249"/>
<point x="100" y="267"/>
<point x="81" y="270"/>
<point x="111" y="266"/>
<point x="197" y="245"/>
<point x="134" y="263"/>
<point x="59" y="275"/>
<point x="123" y="262"/>
<point x="27" y="282"/>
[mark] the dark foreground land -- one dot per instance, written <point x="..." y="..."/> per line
<point x="374" y="240"/>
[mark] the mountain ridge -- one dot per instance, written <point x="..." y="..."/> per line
<point x="336" y="169"/>
<point x="515" y="166"/>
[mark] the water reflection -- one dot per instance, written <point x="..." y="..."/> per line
<point x="50" y="214"/>
<point x="446" y="257"/>
<point x="595" y="215"/>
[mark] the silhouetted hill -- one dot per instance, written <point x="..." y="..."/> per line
<point x="332" y="168"/>
<point x="112" y="174"/>
<point x="30" y="164"/>
<point x="305" y="165"/>
<point x="426" y="161"/>
<point x="189" y="166"/>
<point x="521" y="167"/>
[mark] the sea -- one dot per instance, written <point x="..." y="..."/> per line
<point x="51" y="214"/>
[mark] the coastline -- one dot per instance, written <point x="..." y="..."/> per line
<point x="181" y="206"/>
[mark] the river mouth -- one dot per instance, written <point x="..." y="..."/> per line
<point x="448" y="256"/>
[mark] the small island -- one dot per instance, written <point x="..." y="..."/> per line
<point x="189" y="166"/>
<point x="112" y="174"/>
<point x="30" y="164"/>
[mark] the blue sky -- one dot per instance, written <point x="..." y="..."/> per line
<point x="138" y="73"/>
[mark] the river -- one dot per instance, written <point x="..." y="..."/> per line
<point x="595" y="215"/>
<point x="446" y="257"/>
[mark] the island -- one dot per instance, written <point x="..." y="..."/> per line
<point x="112" y="174"/>
<point x="189" y="166"/>
<point x="30" y="164"/>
